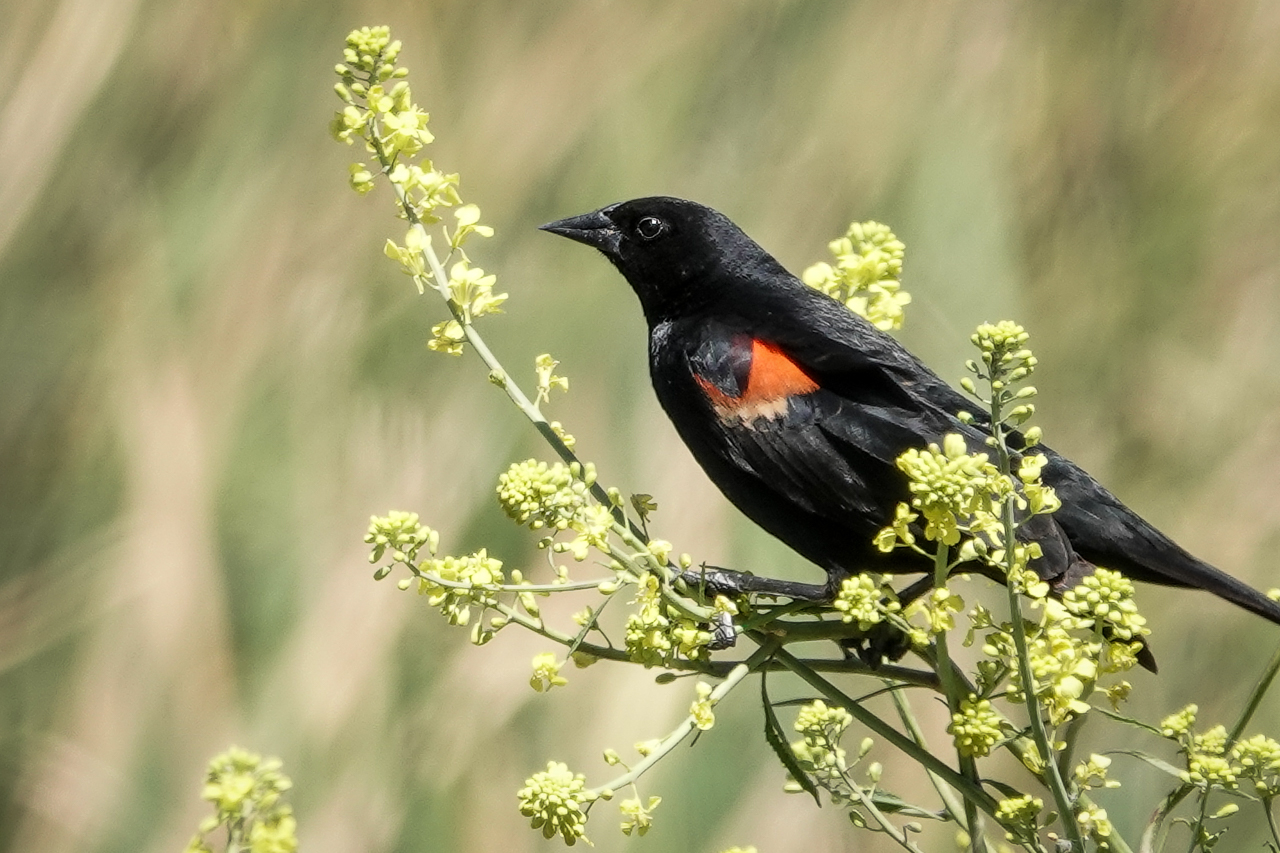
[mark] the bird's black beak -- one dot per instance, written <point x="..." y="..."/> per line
<point x="595" y="229"/>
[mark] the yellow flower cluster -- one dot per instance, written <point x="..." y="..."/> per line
<point x="546" y="672"/>
<point x="478" y="576"/>
<point x="553" y="800"/>
<point x="638" y="816"/>
<point x="245" y="791"/>
<point x="1105" y="599"/>
<point x="818" y="751"/>
<point x="401" y="534"/>
<point x="542" y="495"/>
<point x="394" y="129"/>
<point x="1093" y="773"/>
<point x="938" y="611"/>
<point x="1094" y="821"/>
<point x="1064" y="666"/>
<point x="1259" y="759"/>
<point x="703" y="717"/>
<point x="1003" y="350"/>
<point x="976" y="727"/>
<point x="1177" y="725"/>
<point x="556" y="497"/>
<point x="1019" y="815"/>
<point x="866" y="274"/>
<point x="656" y="634"/>
<point x="866" y="600"/>
<point x="952" y="488"/>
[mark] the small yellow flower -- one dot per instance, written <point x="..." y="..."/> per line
<point x="639" y="816"/>
<point x="700" y="710"/>
<point x="546" y="672"/>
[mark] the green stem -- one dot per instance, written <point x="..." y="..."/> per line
<point x="945" y="671"/>
<point x="886" y="825"/>
<point x="687" y="726"/>
<point x="539" y="627"/>
<point x="1255" y="698"/>
<point x="1271" y="822"/>
<point x="926" y="759"/>
<point x="950" y="687"/>
<point x="439" y="283"/>
<point x="954" y="807"/>
<point x="1039" y="734"/>
<point x="1198" y="827"/>
<point x="1154" y="834"/>
<point x="510" y="587"/>
<point x="914" y="677"/>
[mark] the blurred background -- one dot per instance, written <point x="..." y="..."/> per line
<point x="210" y="377"/>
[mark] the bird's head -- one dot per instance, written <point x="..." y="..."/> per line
<point x="678" y="256"/>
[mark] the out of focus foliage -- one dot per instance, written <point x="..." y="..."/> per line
<point x="203" y="389"/>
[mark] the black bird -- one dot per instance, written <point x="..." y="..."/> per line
<point x="797" y="409"/>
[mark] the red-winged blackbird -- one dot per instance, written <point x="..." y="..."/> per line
<point x="797" y="409"/>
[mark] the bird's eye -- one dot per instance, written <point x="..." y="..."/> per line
<point x="650" y="227"/>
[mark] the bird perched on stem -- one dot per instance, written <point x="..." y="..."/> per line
<point x="797" y="409"/>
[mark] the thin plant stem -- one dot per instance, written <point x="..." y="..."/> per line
<point x="1039" y="734"/>
<point x="981" y="798"/>
<point x="689" y="723"/>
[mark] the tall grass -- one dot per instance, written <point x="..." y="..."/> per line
<point x="210" y="377"/>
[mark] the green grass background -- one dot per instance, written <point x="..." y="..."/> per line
<point x="210" y="377"/>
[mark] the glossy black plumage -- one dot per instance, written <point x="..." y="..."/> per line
<point x="811" y="457"/>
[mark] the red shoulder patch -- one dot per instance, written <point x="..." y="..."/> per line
<point x="773" y="374"/>
<point x="772" y="379"/>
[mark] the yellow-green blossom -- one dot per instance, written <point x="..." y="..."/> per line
<point x="553" y="800"/>
<point x="866" y="274"/>
<point x="246" y="794"/>
<point x="1105" y="599"/>
<point x="544" y="366"/>
<point x="277" y="834"/>
<point x="1212" y="742"/>
<point x="865" y="600"/>
<point x="639" y="816"/>
<point x="1040" y="499"/>
<point x="700" y="710"/>
<point x="656" y="634"/>
<point x="1178" y="725"/>
<point x="480" y="573"/>
<point x="646" y="747"/>
<point x="468" y="220"/>
<point x="401" y="534"/>
<point x="1094" y="821"/>
<point x="1064" y="667"/>
<point x="1210" y="770"/>
<point x="471" y="291"/>
<point x="447" y="337"/>
<point x="819" y="752"/>
<point x="546" y="672"/>
<point x="949" y="485"/>
<point x="976" y="727"/>
<point x="1259" y="759"/>
<point x="1093" y="773"/>
<point x="1019" y="815"/>
<point x="1003" y="350"/>
<point x="938" y="609"/>
<point x="898" y="533"/>
<point x="542" y="495"/>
